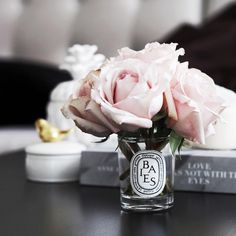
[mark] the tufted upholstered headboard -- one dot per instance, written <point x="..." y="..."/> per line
<point x="42" y="30"/>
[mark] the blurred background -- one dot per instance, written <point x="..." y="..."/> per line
<point x="35" y="36"/>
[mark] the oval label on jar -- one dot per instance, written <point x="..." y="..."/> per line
<point x="148" y="173"/>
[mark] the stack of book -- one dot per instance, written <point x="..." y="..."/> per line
<point x="196" y="170"/>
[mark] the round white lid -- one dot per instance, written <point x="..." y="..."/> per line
<point x="58" y="148"/>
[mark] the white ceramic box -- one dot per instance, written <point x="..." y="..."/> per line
<point x="53" y="162"/>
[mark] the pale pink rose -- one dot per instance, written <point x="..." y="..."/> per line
<point x="127" y="92"/>
<point x="197" y="104"/>
<point x="132" y="85"/>
<point x="85" y="112"/>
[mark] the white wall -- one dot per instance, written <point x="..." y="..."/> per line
<point x="42" y="29"/>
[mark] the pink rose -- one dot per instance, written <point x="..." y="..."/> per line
<point x="85" y="112"/>
<point x="127" y="92"/>
<point x="197" y="104"/>
<point x="132" y="85"/>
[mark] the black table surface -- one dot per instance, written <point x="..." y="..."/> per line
<point x="37" y="209"/>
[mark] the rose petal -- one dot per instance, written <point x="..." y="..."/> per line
<point x="120" y="117"/>
<point x="153" y="51"/>
<point x="92" y="128"/>
<point x="77" y="107"/>
<point x="110" y="75"/>
<point x="123" y="117"/>
<point x="145" y="107"/>
<point x="123" y="88"/>
<point x="85" y="85"/>
<point x="95" y="111"/>
<point x="190" y="123"/>
<point x="172" y="113"/>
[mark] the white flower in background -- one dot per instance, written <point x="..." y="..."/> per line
<point x="81" y="59"/>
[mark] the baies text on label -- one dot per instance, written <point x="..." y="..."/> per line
<point x="146" y="173"/>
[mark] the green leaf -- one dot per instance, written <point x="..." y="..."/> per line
<point x="181" y="144"/>
<point x="176" y="142"/>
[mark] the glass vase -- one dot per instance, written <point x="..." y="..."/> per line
<point x="146" y="174"/>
